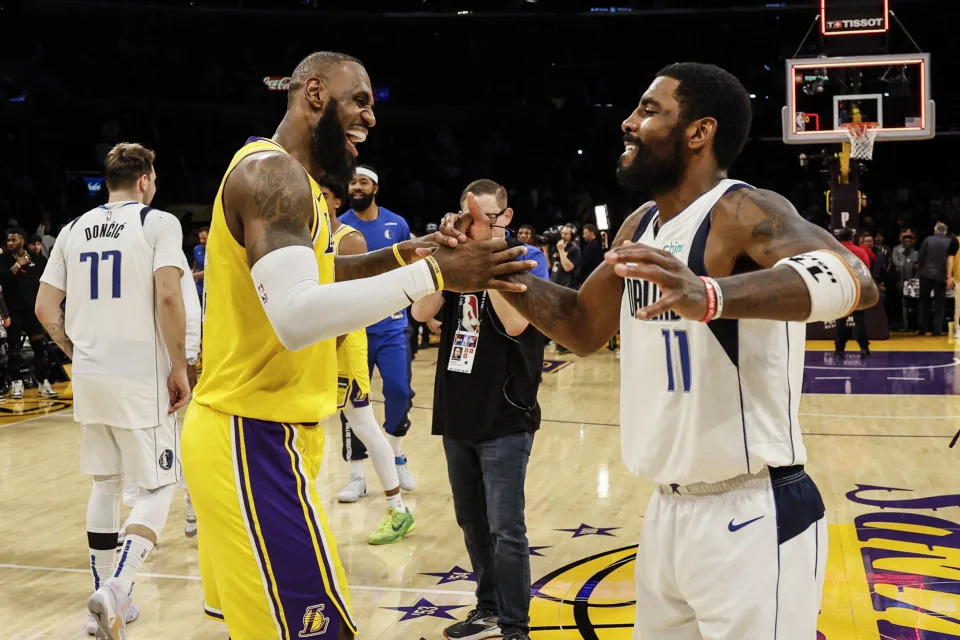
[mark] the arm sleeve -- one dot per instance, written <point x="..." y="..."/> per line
<point x="55" y="274"/>
<point x="191" y="306"/>
<point x="163" y="232"/>
<point x="303" y="312"/>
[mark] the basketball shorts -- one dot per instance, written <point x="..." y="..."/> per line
<point x="349" y="390"/>
<point x="743" y="558"/>
<point x="268" y="561"/>
<point x="149" y="458"/>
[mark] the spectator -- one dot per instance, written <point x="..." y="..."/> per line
<point x="528" y="235"/>
<point x="908" y="286"/>
<point x="565" y="258"/>
<point x="593" y="248"/>
<point x="846" y="237"/>
<point x="20" y="273"/>
<point x="35" y="246"/>
<point x="199" y="259"/>
<point x="486" y="410"/>
<point x="935" y="269"/>
<point x="956" y="294"/>
<point x="866" y="243"/>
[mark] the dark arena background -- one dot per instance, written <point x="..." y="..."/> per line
<point x="531" y="94"/>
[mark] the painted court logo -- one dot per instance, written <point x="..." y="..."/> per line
<point x="314" y="622"/>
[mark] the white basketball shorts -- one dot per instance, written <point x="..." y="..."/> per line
<point x="742" y="559"/>
<point x="149" y="458"/>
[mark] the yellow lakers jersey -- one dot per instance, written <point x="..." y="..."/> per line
<point x="352" y="353"/>
<point x="246" y="370"/>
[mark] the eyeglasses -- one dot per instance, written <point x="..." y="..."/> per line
<point x="492" y="217"/>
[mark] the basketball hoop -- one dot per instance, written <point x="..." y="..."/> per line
<point x="862" y="136"/>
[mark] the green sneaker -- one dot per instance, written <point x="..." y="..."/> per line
<point x="394" y="526"/>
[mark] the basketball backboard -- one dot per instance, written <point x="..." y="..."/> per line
<point x="823" y="94"/>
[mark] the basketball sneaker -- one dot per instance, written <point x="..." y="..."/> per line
<point x="394" y="526"/>
<point x="407" y="483"/>
<point x="355" y="489"/>
<point x="47" y="391"/>
<point x="17" y="390"/>
<point x="516" y="635"/>
<point x="478" y="625"/>
<point x="109" y="606"/>
<point x="133" y="612"/>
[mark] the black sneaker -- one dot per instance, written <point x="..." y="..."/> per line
<point x="516" y="635"/>
<point x="865" y="354"/>
<point x="479" y="624"/>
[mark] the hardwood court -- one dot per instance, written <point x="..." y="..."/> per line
<point x="878" y="453"/>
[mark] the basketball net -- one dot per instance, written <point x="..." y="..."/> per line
<point x="862" y="136"/>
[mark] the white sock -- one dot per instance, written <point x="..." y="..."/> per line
<point x="356" y="468"/>
<point x="364" y="424"/>
<point x="397" y="444"/>
<point x="191" y="515"/>
<point x="135" y="550"/>
<point x="103" y="563"/>
<point x="395" y="503"/>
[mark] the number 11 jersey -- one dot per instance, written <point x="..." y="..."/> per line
<point x="704" y="402"/>
<point x="105" y="261"/>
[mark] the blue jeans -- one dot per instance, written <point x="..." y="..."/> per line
<point x="487" y="478"/>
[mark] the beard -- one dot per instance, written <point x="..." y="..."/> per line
<point x="360" y="203"/>
<point x="651" y="171"/>
<point x="330" y="145"/>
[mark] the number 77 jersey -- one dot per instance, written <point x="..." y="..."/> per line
<point x="704" y="402"/>
<point x="105" y="262"/>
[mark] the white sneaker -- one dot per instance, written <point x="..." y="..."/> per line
<point x="47" y="390"/>
<point x="407" y="483"/>
<point x="109" y="607"/>
<point x="133" y="612"/>
<point x="355" y="489"/>
<point x="17" y="390"/>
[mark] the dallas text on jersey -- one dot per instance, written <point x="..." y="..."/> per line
<point x="642" y="293"/>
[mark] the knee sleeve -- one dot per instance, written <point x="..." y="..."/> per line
<point x="103" y="508"/>
<point x="152" y="508"/>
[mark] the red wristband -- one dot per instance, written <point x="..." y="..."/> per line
<point x="711" y="300"/>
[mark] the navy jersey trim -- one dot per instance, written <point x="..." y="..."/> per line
<point x="144" y="212"/>
<point x="797" y="500"/>
<point x="793" y="451"/>
<point x="73" y="224"/>
<point x="644" y="222"/>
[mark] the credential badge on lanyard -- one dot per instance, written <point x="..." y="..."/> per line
<point x="470" y="308"/>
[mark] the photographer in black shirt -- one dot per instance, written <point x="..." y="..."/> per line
<point x="485" y="407"/>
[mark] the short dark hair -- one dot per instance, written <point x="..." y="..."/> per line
<point x="125" y="163"/>
<point x="204" y="230"/>
<point x="846" y="234"/>
<point x="315" y="65"/>
<point x="706" y="90"/>
<point x="339" y="190"/>
<point x="592" y="228"/>
<point x="17" y="231"/>
<point x="485" y="187"/>
<point x="35" y="238"/>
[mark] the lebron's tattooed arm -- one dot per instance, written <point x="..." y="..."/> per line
<point x="584" y="320"/>
<point x="751" y="231"/>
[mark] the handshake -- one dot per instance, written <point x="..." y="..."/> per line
<point x="470" y="255"/>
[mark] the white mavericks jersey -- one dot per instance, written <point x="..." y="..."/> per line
<point x="704" y="402"/>
<point x="105" y="261"/>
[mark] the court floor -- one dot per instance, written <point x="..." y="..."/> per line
<point x="877" y="433"/>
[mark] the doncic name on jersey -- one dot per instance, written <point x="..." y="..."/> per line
<point x="643" y="293"/>
<point x="104" y="230"/>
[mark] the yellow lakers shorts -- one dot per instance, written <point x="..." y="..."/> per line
<point x="268" y="561"/>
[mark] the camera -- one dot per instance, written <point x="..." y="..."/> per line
<point x="552" y="235"/>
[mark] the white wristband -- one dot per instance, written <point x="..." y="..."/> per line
<point x="833" y="286"/>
